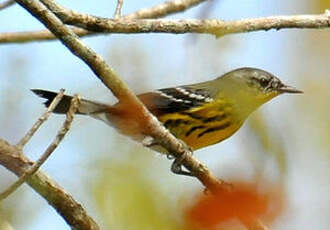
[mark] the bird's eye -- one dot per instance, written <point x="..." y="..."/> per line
<point x="264" y="82"/>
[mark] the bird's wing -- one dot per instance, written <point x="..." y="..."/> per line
<point x="177" y="99"/>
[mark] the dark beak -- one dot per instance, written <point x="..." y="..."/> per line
<point x="288" y="89"/>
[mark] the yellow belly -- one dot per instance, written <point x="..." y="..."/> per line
<point x="197" y="142"/>
<point x="203" y="128"/>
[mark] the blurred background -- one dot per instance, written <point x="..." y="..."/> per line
<point x="285" y="145"/>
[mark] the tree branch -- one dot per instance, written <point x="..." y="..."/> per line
<point x="41" y="120"/>
<point x="212" y="26"/>
<point x="25" y="139"/>
<point x="14" y="160"/>
<point x="215" y="27"/>
<point x="164" y="9"/>
<point x="118" y="9"/>
<point x="59" y="137"/>
<point x="41" y="35"/>
<point x="161" y="10"/>
<point x="6" y="4"/>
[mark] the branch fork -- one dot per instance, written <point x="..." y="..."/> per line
<point x="61" y="133"/>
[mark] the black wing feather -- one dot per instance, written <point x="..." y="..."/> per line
<point x="173" y="100"/>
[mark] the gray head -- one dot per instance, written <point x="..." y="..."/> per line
<point x="249" y="88"/>
<point x="255" y="83"/>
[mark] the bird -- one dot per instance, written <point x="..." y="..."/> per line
<point x="200" y="114"/>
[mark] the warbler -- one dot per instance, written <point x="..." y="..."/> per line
<point x="200" y="114"/>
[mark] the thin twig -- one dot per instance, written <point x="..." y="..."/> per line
<point x="118" y="9"/>
<point x="75" y="215"/>
<point x="41" y="35"/>
<point x="160" y="10"/>
<point x="6" y="4"/>
<point x="41" y="120"/>
<point x="164" y="9"/>
<point x="59" y="137"/>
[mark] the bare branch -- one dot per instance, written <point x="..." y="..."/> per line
<point x="41" y="120"/>
<point x="14" y="160"/>
<point x="6" y="4"/>
<point x="118" y="8"/>
<point x="60" y="135"/>
<point x="215" y="27"/>
<point x="167" y="8"/>
<point x="163" y="9"/>
<point x="41" y="35"/>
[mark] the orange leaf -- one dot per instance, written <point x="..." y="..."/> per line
<point x="247" y="202"/>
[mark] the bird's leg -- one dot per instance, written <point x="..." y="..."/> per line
<point x="177" y="164"/>
<point x="176" y="167"/>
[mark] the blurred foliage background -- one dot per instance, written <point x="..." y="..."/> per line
<point x="125" y="186"/>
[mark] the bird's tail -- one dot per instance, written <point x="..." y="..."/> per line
<point x="122" y="120"/>
<point x="86" y="107"/>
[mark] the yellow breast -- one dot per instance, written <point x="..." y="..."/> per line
<point x="202" y="126"/>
